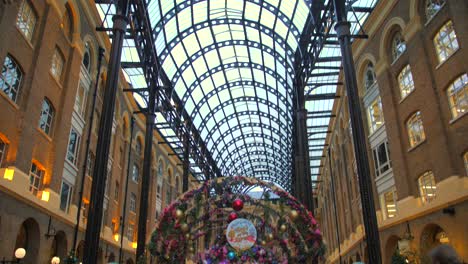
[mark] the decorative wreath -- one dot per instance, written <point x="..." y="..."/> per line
<point x="193" y="227"/>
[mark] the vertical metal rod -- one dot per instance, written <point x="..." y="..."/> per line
<point x="124" y="209"/>
<point x="342" y="29"/>
<point x="85" y="163"/>
<point x="145" y="181"/>
<point x="186" y="164"/>
<point x="94" y="222"/>
<point x="334" y="204"/>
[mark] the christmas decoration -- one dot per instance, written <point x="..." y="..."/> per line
<point x="179" y="214"/>
<point x="293" y="214"/>
<point x="238" y="204"/>
<point x="232" y="216"/>
<point x="231" y="255"/>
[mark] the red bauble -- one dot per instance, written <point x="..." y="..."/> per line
<point x="232" y="216"/>
<point x="238" y="204"/>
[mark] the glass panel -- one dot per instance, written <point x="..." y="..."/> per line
<point x="457" y="94"/>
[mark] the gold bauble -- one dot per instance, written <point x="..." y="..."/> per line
<point x="293" y="214"/>
<point x="179" y="214"/>
<point x="187" y="236"/>
<point x="283" y="228"/>
<point x="191" y="249"/>
<point x="269" y="236"/>
<point x="263" y="243"/>
<point x="184" y="227"/>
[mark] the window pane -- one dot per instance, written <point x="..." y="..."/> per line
<point x="73" y="146"/>
<point x="57" y="65"/>
<point x="26" y="21"/>
<point x="375" y="114"/>
<point x="10" y="78"/>
<point x="47" y="115"/>
<point x="415" y="129"/>
<point x="405" y="81"/>
<point x="445" y="42"/>
<point x="65" y="195"/>
<point x="35" y="178"/>
<point x="432" y="7"/>
<point x="427" y="186"/>
<point x="457" y="94"/>
<point x="398" y="46"/>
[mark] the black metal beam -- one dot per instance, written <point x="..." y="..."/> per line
<point x="324" y="96"/>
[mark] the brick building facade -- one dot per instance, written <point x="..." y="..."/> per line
<point x="49" y="53"/>
<point x="412" y="76"/>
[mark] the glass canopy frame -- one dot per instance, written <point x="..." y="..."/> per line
<point x="227" y="75"/>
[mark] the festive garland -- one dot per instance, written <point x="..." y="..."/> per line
<point x="287" y="231"/>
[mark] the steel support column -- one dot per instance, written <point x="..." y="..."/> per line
<point x="186" y="164"/>
<point x="303" y="181"/>
<point x="342" y="28"/>
<point x="93" y="225"/>
<point x="332" y="181"/>
<point x="127" y="176"/>
<point x="145" y="180"/>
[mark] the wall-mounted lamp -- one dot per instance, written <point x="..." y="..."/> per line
<point x="55" y="260"/>
<point x="20" y="253"/>
<point x="8" y="175"/>
<point x="50" y="229"/>
<point x="45" y="195"/>
<point x="116" y="237"/>
<point x="134" y="244"/>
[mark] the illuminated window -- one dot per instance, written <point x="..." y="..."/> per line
<point x="10" y="78"/>
<point x="35" y="178"/>
<point x="375" y="115"/>
<point x="388" y="201"/>
<point x="47" y="116"/>
<point x="65" y="196"/>
<point x="81" y="99"/>
<point x="130" y="231"/>
<point x="132" y="206"/>
<point x="135" y="172"/>
<point x="26" y="21"/>
<point x="369" y="78"/>
<point x="90" y="163"/>
<point x="415" y="129"/>
<point x="457" y="94"/>
<point x="442" y="237"/>
<point x="445" y="42"/>
<point x="73" y="146"/>
<point x="3" y="151"/>
<point x="56" y="67"/>
<point x="405" y="81"/>
<point x="398" y="46"/>
<point x="382" y="158"/>
<point x="432" y="7"/>
<point x="427" y="186"/>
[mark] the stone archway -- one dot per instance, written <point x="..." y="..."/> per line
<point x="432" y="236"/>
<point x="28" y="237"/>
<point x="59" y="246"/>
<point x="390" y="248"/>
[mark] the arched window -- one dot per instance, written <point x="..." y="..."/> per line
<point x="138" y="146"/>
<point x="405" y="81"/>
<point x="47" y="116"/>
<point x="398" y="45"/>
<point x="415" y="128"/>
<point x="67" y="24"/>
<point x="10" y="78"/>
<point x="87" y="58"/>
<point x="369" y="76"/>
<point x="160" y="168"/>
<point x="457" y="94"/>
<point x="56" y="67"/>
<point x="427" y="186"/>
<point x="135" y="172"/>
<point x="432" y="7"/>
<point x="26" y="21"/>
<point x="445" y="42"/>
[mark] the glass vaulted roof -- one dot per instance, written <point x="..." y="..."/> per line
<point x="231" y="66"/>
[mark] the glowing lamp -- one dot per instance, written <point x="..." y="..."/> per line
<point x="45" y="196"/>
<point x="9" y="174"/>
<point x="55" y="260"/>
<point x="20" y="253"/>
<point x="116" y="237"/>
<point x="134" y="245"/>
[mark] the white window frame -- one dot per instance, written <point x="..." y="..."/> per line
<point x="132" y="203"/>
<point x="26" y="20"/>
<point x="405" y="81"/>
<point x="135" y="172"/>
<point x="398" y="46"/>
<point x="131" y="232"/>
<point x="46" y="119"/>
<point x="36" y="174"/>
<point x="80" y="105"/>
<point x="385" y="206"/>
<point x="72" y="155"/>
<point x="11" y="88"/>
<point x="68" y="198"/>
<point x="433" y="7"/>
<point x="427" y="186"/>
<point x="415" y="128"/>
<point x="57" y="65"/>
<point x="384" y="167"/>
<point x="446" y="42"/>
<point x="457" y="95"/>
<point x="373" y="126"/>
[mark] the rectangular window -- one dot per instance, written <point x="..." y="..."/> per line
<point x="81" y="100"/>
<point x="427" y="186"/>
<point x="116" y="191"/>
<point x="375" y="115"/>
<point x="90" y="163"/>
<point x="65" y="196"/>
<point x="10" y="78"/>
<point x="132" y="206"/>
<point x="56" y="66"/>
<point x="73" y="146"/>
<point x="26" y="21"/>
<point x="3" y="151"/>
<point x="35" y="178"/>
<point x="47" y="116"/>
<point x="130" y="231"/>
<point x="381" y="158"/>
<point x="388" y="201"/>
<point x="135" y="173"/>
